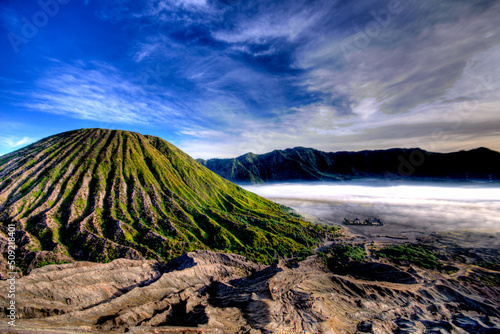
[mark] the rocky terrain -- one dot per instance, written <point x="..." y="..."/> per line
<point x="225" y="293"/>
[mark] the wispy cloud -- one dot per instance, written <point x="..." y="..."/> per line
<point x="432" y="85"/>
<point x="15" y="142"/>
<point x="97" y="91"/>
<point x="410" y="66"/>
<point x="203" y="133"/>
<point x="157" y="12"/>
<point x="266" y="21"/>
<point x="465" y="116"/>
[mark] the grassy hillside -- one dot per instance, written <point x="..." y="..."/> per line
<point x="97" y="194"/>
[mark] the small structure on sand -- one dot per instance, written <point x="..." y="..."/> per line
<point x="366" y="222"/>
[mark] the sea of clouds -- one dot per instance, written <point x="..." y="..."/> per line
<point x="419" y="206"/>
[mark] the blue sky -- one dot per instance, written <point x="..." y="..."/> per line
<point x="222" y="78"/>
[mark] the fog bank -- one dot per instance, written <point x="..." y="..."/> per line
<point x="419" y="206"/>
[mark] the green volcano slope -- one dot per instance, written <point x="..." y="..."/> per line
<point x="97" y="195"/>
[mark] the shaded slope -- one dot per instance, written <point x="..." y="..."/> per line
<point x="307" y="164"/>
<point x="100" y="194"/>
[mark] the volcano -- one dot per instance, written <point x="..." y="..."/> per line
<point x="98" y="195"/>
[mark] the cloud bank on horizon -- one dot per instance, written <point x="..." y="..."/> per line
<point x="227" y="77"/>
<point x="428" y="206"/>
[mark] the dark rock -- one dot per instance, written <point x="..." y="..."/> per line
<point x="379" y="272"/>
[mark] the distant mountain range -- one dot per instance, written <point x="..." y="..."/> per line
<point x="97" y="195"/>
<point x="307" y="164"/>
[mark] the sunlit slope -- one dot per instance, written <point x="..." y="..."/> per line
<point x="101" y="194"/>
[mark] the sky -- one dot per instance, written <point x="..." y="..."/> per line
<point x="222" y="78"/>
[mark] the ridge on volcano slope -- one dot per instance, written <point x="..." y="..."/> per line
<point x="98" y="195"/>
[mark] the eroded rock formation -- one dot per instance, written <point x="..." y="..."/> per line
<point x="226" y="293"/>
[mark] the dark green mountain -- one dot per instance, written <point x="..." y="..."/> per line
<point x="97" y="194"/>
<point x="307" y="164"/>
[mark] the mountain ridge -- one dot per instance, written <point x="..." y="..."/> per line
<point x="308" y="164"/>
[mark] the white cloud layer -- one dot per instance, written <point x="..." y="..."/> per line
<point x="402" y="206"/>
